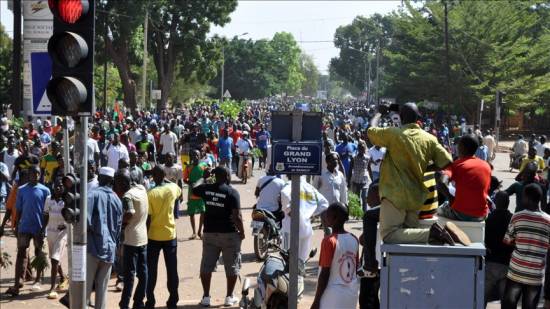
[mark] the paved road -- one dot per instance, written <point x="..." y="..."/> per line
<point x="189" y="255"/>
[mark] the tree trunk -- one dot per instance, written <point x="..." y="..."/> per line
<point x="121" y="61"/>
<point x="165" y="62"/>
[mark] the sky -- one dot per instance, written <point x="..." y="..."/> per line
<point x="306" y="20"/>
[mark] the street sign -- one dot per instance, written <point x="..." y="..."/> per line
<point x="281" y="126"/>
<point x="41" y="73"/>
<point x="299" y="158"/>
<point x="156" y="94"/>
<point x="227" y="94"/>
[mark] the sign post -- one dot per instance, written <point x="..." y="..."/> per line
<point x="295" y="219"/>
<point x="297" y="151"/>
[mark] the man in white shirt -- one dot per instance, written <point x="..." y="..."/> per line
<point x="93" y="151"/>
<point x="268" y="192"/>
<point x="332" y="183"/>
<point x="542" y="146"/>
<point x="489" y="141"/>
<point x="244" y="146"/>
<point x="168" y="141"/>
<point x="376" y="154"/>
<point x="115" y="151"/>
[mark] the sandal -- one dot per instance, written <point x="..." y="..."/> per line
<point x="52" y="295"/>
<point x="12" y="292"/>
<point x="193" y="237"/>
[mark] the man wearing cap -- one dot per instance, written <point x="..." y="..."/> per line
<point x="104" y="221"/>
<point x="244" y="146"/>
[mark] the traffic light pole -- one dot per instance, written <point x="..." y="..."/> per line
<point x="295" y="219"/>
<point x="67" y="160"/>
<point x="78" y="272"/>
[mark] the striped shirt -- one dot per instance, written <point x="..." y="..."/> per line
<point x="429" y="208"/>
<point x="529" y="232"/>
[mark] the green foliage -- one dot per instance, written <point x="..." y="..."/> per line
<point x="257" y="69"/>
<point x="492" y="45"/>
<point x="114" y="85"/>
<point x="178" y="36"/>
<point x="6" y="52"/>
<point x="40" y="263"/>
<point x="231" y="108"/>
<point x="354" y="206"/>
<point x="310" y="84"/>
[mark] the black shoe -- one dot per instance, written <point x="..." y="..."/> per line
<point x="439" y="236"/>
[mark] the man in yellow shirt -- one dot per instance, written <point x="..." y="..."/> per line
<point x="409" y="151"/>
<point x="532" y="157"/>
<point x="162" y="236"/>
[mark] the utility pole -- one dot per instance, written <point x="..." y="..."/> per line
<point x="105" y="64"/>
<point x="377" y="72"/>
<point x="16" y="59"/>
<point x="144" y="76"/>
<point x="223" y="74"/>
<point x="498" y="100"/>
<point x="447" y="68"/>
<point x="369" y="96"/>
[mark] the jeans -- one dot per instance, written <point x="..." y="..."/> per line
<point x="370" y="230"/>
<point x="375" y="176"/>
<point x="135" y="261"/>
<point x="529" y="295"/>
<point x="169" y="248"/>
<point x="495" y="281"/>
<point x="445" y="210"/>
<point x="98" y="274"/>
<point x="361" y="189"/>
<point x="227" y="163"/>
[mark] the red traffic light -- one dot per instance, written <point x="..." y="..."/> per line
<point x="69" y="11"/>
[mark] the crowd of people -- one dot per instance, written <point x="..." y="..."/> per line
<point x="404" y="167"/>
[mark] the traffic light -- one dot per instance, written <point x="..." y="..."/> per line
<point x="71" y="48"/>
<point x="71" y="211"/>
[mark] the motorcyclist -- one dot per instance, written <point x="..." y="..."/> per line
<point x="520" y="147"/>
<point x="268" y="192"/>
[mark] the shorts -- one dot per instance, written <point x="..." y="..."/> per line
<point x="57" y="242"/>
<point x="229" y="244"/>
<point x="195" y="207"/>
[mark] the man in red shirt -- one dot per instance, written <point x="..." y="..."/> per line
<point x="472" y="178"/>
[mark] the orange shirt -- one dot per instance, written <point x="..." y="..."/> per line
<point x="10" y="205"/>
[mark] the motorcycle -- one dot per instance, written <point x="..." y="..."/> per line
<point x="273" y="283"/>
<point x="265" y="231"/>
<point x="515" y="161"/>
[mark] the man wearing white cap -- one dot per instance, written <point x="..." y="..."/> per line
<point x="104" y="222"/>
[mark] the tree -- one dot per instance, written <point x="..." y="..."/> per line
<point x="286" y="59"/>
<point x="114" y="85"/>
<point x="311" y="75"/>
<point x="257" y="69"/>
<point x="123" y="38"/>
<point x="6" y="52"/>
<point x="178" y="32"/>
<point x="493" y="45"/>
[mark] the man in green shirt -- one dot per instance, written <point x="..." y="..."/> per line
<point x="195" y="205"/>
<point x="409" y="152"/>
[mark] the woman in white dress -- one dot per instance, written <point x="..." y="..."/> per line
<point x="57" y="237"/>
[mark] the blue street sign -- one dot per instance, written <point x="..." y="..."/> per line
<point x="301" y="158"/>
<point x="41" y="73"/>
